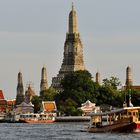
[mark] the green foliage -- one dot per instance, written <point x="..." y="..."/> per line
<point x="46" y="95"/>
<point x="78" y="88"/>
<point x="135" y="97"/>
<point x="113" y="82"/>
<point x="110" y="96"/>
<point x="76" y="80"/>
<point x="69" y="107"/>
<point x="36" y="101"/>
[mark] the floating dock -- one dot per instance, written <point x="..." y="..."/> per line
<point x="73" y="119"/>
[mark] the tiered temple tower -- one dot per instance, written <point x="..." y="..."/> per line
<point x="20" y="90"/>
<point x="73" y="52"/>
<point x="44" y="83"/>
<point x="129" y="81"/>
<point x="29" y="93"/>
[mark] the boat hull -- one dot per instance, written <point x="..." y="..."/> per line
<point x="124" y="127"/>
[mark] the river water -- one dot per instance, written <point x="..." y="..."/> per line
<point x="56" y="131"/>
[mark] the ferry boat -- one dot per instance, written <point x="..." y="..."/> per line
<point x="36" y="118"/>
<point x="126" y="119"/>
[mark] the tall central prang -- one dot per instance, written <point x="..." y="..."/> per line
<point x="73" y="52"/>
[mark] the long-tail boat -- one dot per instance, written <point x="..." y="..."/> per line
<point x="126" y="119"/>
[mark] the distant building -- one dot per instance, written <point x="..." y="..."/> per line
<point x="44" y="82"/>
<point x="73" y="52"/>
<point x="11" y="104"/>
<point x="24" y="108"/>
<point x="6" y="105"/>
<point x="20" y="90"/>
<point x="129" y="81"/>
<point x="89" y="107"/>
<point x="136" y="87"/>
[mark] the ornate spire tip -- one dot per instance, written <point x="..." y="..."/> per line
<point x="72" y="6"/>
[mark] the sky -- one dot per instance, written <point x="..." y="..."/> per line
<point x="32" y="34"/>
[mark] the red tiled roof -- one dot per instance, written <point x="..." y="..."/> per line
<point x="1" y="94"/>
<point x="6" y="105"/>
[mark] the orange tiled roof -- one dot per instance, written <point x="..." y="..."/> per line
<point x="49" y="106"/>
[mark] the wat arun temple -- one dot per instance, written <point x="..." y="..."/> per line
<point x="73" y="52"/>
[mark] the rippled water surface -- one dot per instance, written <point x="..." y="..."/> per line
<point x="56" y="131"/>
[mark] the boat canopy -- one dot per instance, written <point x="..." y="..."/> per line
<point x="114" y="111"/>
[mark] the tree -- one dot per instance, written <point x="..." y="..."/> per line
<point x="78" y="87"/>
<point x="109" y="94"/>
<point x="113" y="82"/>
<point x="48" y="95"/>
<point x="69" y="107"/>
<point x="135" y="96"/>
<point x="36" y="101"/>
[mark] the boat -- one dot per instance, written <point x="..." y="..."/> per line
<point x="125" y="119"/>
<point x="36" y="118"/>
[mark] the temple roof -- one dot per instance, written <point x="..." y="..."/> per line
<point x="88" y="104"/>
<point x="1" y="94"/>
<point x="49" y="106"/>
<point x="23" y="104"/>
